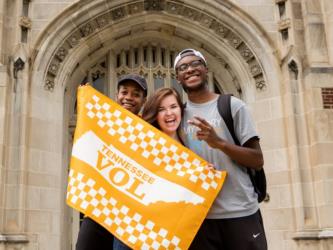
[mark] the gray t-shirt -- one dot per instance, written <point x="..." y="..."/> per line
<point x="237" y="198"/>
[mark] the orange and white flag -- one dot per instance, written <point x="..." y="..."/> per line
<point x="142" y="186"/>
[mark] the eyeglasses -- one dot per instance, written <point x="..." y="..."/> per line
<point x="194" y="64"/>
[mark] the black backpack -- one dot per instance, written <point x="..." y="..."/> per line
<point x="257" y="177"/>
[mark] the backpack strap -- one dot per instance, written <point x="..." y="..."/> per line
<point x="224" y="108"/>
<point x="257" y="178"/>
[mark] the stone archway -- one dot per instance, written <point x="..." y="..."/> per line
<point x="89" y="33"/>
<point x="227" y="36"/>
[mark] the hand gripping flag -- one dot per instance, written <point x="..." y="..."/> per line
<point x="142" y="186"/>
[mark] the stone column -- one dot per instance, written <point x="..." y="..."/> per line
<point x="112" y="75"/>
<point x="315" y="33"/>
<point x="15" y="160"/>
<point x="301" y="171"/>
<point x="2" y="7"/>
<point x="3" y="99"/>
<point x="328" y="20"/>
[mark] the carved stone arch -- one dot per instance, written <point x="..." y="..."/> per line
<point x="90" y="31"/>
<point x="233" y="43"/>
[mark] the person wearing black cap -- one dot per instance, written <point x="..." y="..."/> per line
<point x="234" y="220"/>
<point x="131" y="95"/>
<point x="132" y="92"/>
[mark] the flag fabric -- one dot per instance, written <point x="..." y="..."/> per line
<point x="148" y="190"/>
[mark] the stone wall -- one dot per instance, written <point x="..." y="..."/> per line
<point x="279" y="52"/>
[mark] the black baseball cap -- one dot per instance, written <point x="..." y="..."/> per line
<point x="135" y="78"/>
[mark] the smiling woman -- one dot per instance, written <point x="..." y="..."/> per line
<point x="169" y="115"/>
<point x="164" y="110"/>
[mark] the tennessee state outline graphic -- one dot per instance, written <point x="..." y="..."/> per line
<point x="148" y="190"/>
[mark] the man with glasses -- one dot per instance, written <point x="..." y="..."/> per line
<point x="234" y="220"/>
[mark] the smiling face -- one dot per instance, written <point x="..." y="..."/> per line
<point x="131" y="96"/>
<point x="169" y="115"/>
<point x="194" y="76"/>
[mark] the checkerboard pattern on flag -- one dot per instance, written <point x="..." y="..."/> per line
<point x="145" y="188"/>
